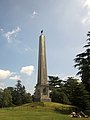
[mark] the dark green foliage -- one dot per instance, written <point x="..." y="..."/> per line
<point x="14" y="96"/>
<point x="57" y="93"/>
<point x="70" y="92"/>
<point x="20" y="96"/>
<point x="81" y="97"/>
<point x="82" y="61"/>
<point x="54" y="82"/>
<point x="5" y="98"/>
<point x="77" y="93"/>
<point x="70" y="87"/>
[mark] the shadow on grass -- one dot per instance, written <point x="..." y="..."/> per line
<point x="38" y="104"/>
<point x="66" y="110"/>
<point x="87" y="112"/>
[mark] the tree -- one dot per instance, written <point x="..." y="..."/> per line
<point x="54" y="82"/>
<point x="1" y="97"/>
<point x="77" y="93"/>
<point x="81" y="96"/>
<point x="27" y="98"/>
<point x="17" y="94"/>
<point x="82" y="61"/>
<point x="70" y="87"/>
<point x="20" y="96"/>
<point x="57" y="93"/>
<point x="6" y="98"/>
<point x="14" y="96"/>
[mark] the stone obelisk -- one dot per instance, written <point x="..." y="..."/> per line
<point x="42" y="87"/>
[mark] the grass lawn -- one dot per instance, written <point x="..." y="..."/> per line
<point x="34" y="112"/>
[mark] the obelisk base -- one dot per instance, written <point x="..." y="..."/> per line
<point x="44" y="99"/>
<point x="42" y="93"/>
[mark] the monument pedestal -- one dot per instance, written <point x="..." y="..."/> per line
<point x="42" y="93"/>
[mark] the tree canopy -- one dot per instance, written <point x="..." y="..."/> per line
<point x="69" y="92"/>
<point x="82" y="63"/>
<point x="12" y="96"/>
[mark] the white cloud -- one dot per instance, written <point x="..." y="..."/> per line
<point x="1" y="30"/>
<point x="16" y="77"/>
<point x="15" y="43"/>
<point x="87" y="4"/>
<point x="27" y="70"/>
<point x="86" y="19"/>
<point x="11" y="34"/>
<point x="27" y="49"/>
<point x="34" y="14"/>
<point x="4" y="74"/>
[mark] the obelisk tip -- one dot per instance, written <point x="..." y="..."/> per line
<point x="41" y="31"/>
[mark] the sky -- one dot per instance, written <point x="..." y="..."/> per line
<point x="65" y="24"/>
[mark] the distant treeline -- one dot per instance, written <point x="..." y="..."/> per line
<point x="12" y="96"/>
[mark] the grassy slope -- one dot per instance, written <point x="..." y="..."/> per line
<point x="35" y="111"/>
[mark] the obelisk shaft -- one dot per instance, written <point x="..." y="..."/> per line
<point x="42" y="67"/>
<point x="42" y="87"/>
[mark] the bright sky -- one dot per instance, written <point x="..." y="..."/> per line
<point x="65" y="24"/>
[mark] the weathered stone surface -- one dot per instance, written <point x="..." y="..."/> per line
<point x="42" y="87"/>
